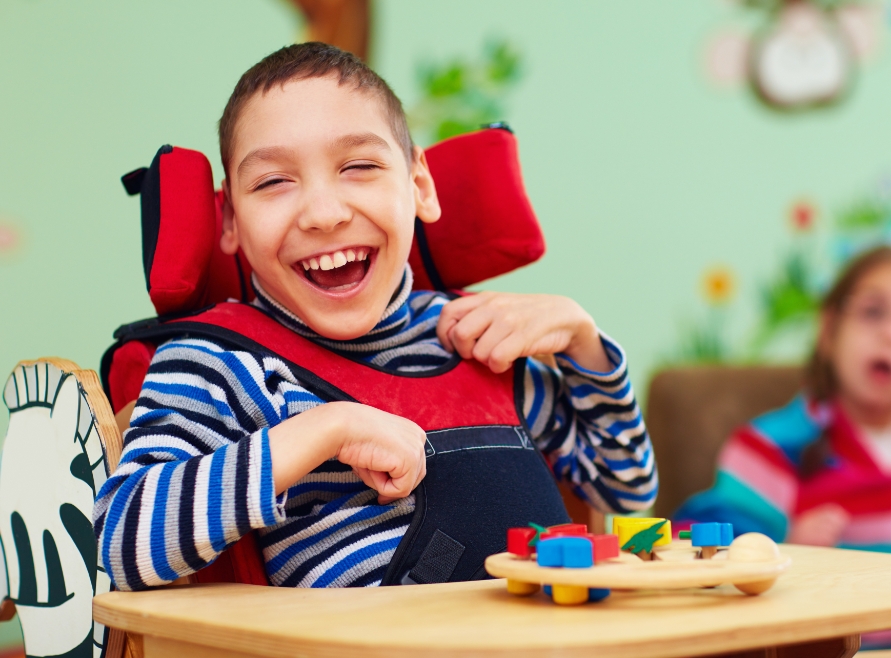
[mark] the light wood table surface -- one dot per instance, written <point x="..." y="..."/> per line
<point x="826" y="595"/>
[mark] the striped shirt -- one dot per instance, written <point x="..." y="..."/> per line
<point x="196" y="473"/>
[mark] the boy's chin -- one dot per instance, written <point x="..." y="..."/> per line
<point x="342" y="324"/>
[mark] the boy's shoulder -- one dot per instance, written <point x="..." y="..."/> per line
<point x="189" y="356"/>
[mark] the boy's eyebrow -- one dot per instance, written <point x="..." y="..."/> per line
<point x="279" y="152"/>
<point x="263" y="154"/>
<point x="360" y="139"/>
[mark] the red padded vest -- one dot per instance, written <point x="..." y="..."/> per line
<point x="484" y="474"/>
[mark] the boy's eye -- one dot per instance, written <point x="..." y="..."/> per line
<point x="361" y="166"/>
<point x="269" y="183"/>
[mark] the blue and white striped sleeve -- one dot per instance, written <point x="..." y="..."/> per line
<point x="196" y="473"/>
<point x="590" y="427"/>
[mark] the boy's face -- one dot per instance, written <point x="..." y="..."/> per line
<point x="323" y="202"/>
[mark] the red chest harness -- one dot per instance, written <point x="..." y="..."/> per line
<point x="484" y="475"/>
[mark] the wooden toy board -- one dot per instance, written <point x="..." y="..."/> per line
<point x="677" y="568"/>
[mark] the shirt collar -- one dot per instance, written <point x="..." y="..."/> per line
<point x="396" y="316"/>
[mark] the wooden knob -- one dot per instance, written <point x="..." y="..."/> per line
<point x="753" y="547"/>
<point x="758" y="587"/>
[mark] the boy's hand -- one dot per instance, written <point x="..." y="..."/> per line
<point x="820" y="526"/>
<point x="498" y="328"/>
<point x="386" y="451"/>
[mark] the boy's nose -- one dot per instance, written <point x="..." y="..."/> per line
<point x="322" y="211"/>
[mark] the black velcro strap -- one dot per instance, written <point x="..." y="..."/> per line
<point x="133" y="180"/>
<point x="438" y="560"/>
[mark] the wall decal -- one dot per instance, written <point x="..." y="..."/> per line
<point x="804" y="54"/>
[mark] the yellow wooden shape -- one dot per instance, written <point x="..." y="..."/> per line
<point x="627" y="527"/>
<point x="521" y="588"/>
<point x="569" y="594"/>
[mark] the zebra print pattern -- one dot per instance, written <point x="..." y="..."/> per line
<point x="51" y="422"/>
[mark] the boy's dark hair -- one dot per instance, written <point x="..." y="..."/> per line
<point x="819" y="377"/>
<point x="311" y="60"/>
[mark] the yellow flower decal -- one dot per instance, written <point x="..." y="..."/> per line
<point x="718" y="285"/>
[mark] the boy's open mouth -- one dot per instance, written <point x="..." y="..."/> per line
<point x="339" y="270"/>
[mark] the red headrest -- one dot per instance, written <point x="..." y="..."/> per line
<point x="487" y="227"/>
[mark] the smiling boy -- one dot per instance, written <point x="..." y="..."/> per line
<point x="323" y="187"/>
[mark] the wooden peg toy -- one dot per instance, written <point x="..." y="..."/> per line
<point x="521" y="588"/>
<point x="708" y="537"/>
<point x="520" y="541"/>
<point x="569" y="594"/>
<point x="626" y="527"/>
<point x="606" y="547"/>
<point x="568" y="552"/>
<point x="752" y="565"/>
<point x="571" y="552"/>
<point x="567" y="546"/>
<point x="565" y="530"/>
<point x="643" y="542"/>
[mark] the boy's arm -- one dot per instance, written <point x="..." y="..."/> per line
<point x="195" y="474"/>
<point x="200" y="469"/>
<point x="583" y="413"/>
<point x="590" y="426"/>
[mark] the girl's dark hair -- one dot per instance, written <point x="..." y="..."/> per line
<point x="819" y="377"/>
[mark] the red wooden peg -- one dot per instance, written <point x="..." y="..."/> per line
<point x="518" y="541"/>
<point x="605" y="547"/>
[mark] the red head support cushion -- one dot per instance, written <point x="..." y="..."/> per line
<point x="487" y="227"/>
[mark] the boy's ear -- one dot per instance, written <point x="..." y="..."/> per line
<point x="229" y="237"/>
<point x="426" y="202"/>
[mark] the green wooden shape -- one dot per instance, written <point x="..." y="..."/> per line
<point x="643" y="541"/>
<point x="538" y="530"/>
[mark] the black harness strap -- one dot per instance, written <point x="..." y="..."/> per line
<point x="438" y="561"/>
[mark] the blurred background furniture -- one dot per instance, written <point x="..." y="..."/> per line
<point x="692" y="410"/>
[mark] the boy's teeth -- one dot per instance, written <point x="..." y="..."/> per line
<point x="335" y="259"/>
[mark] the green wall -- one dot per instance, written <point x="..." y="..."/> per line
<point x="641" y="173"/>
